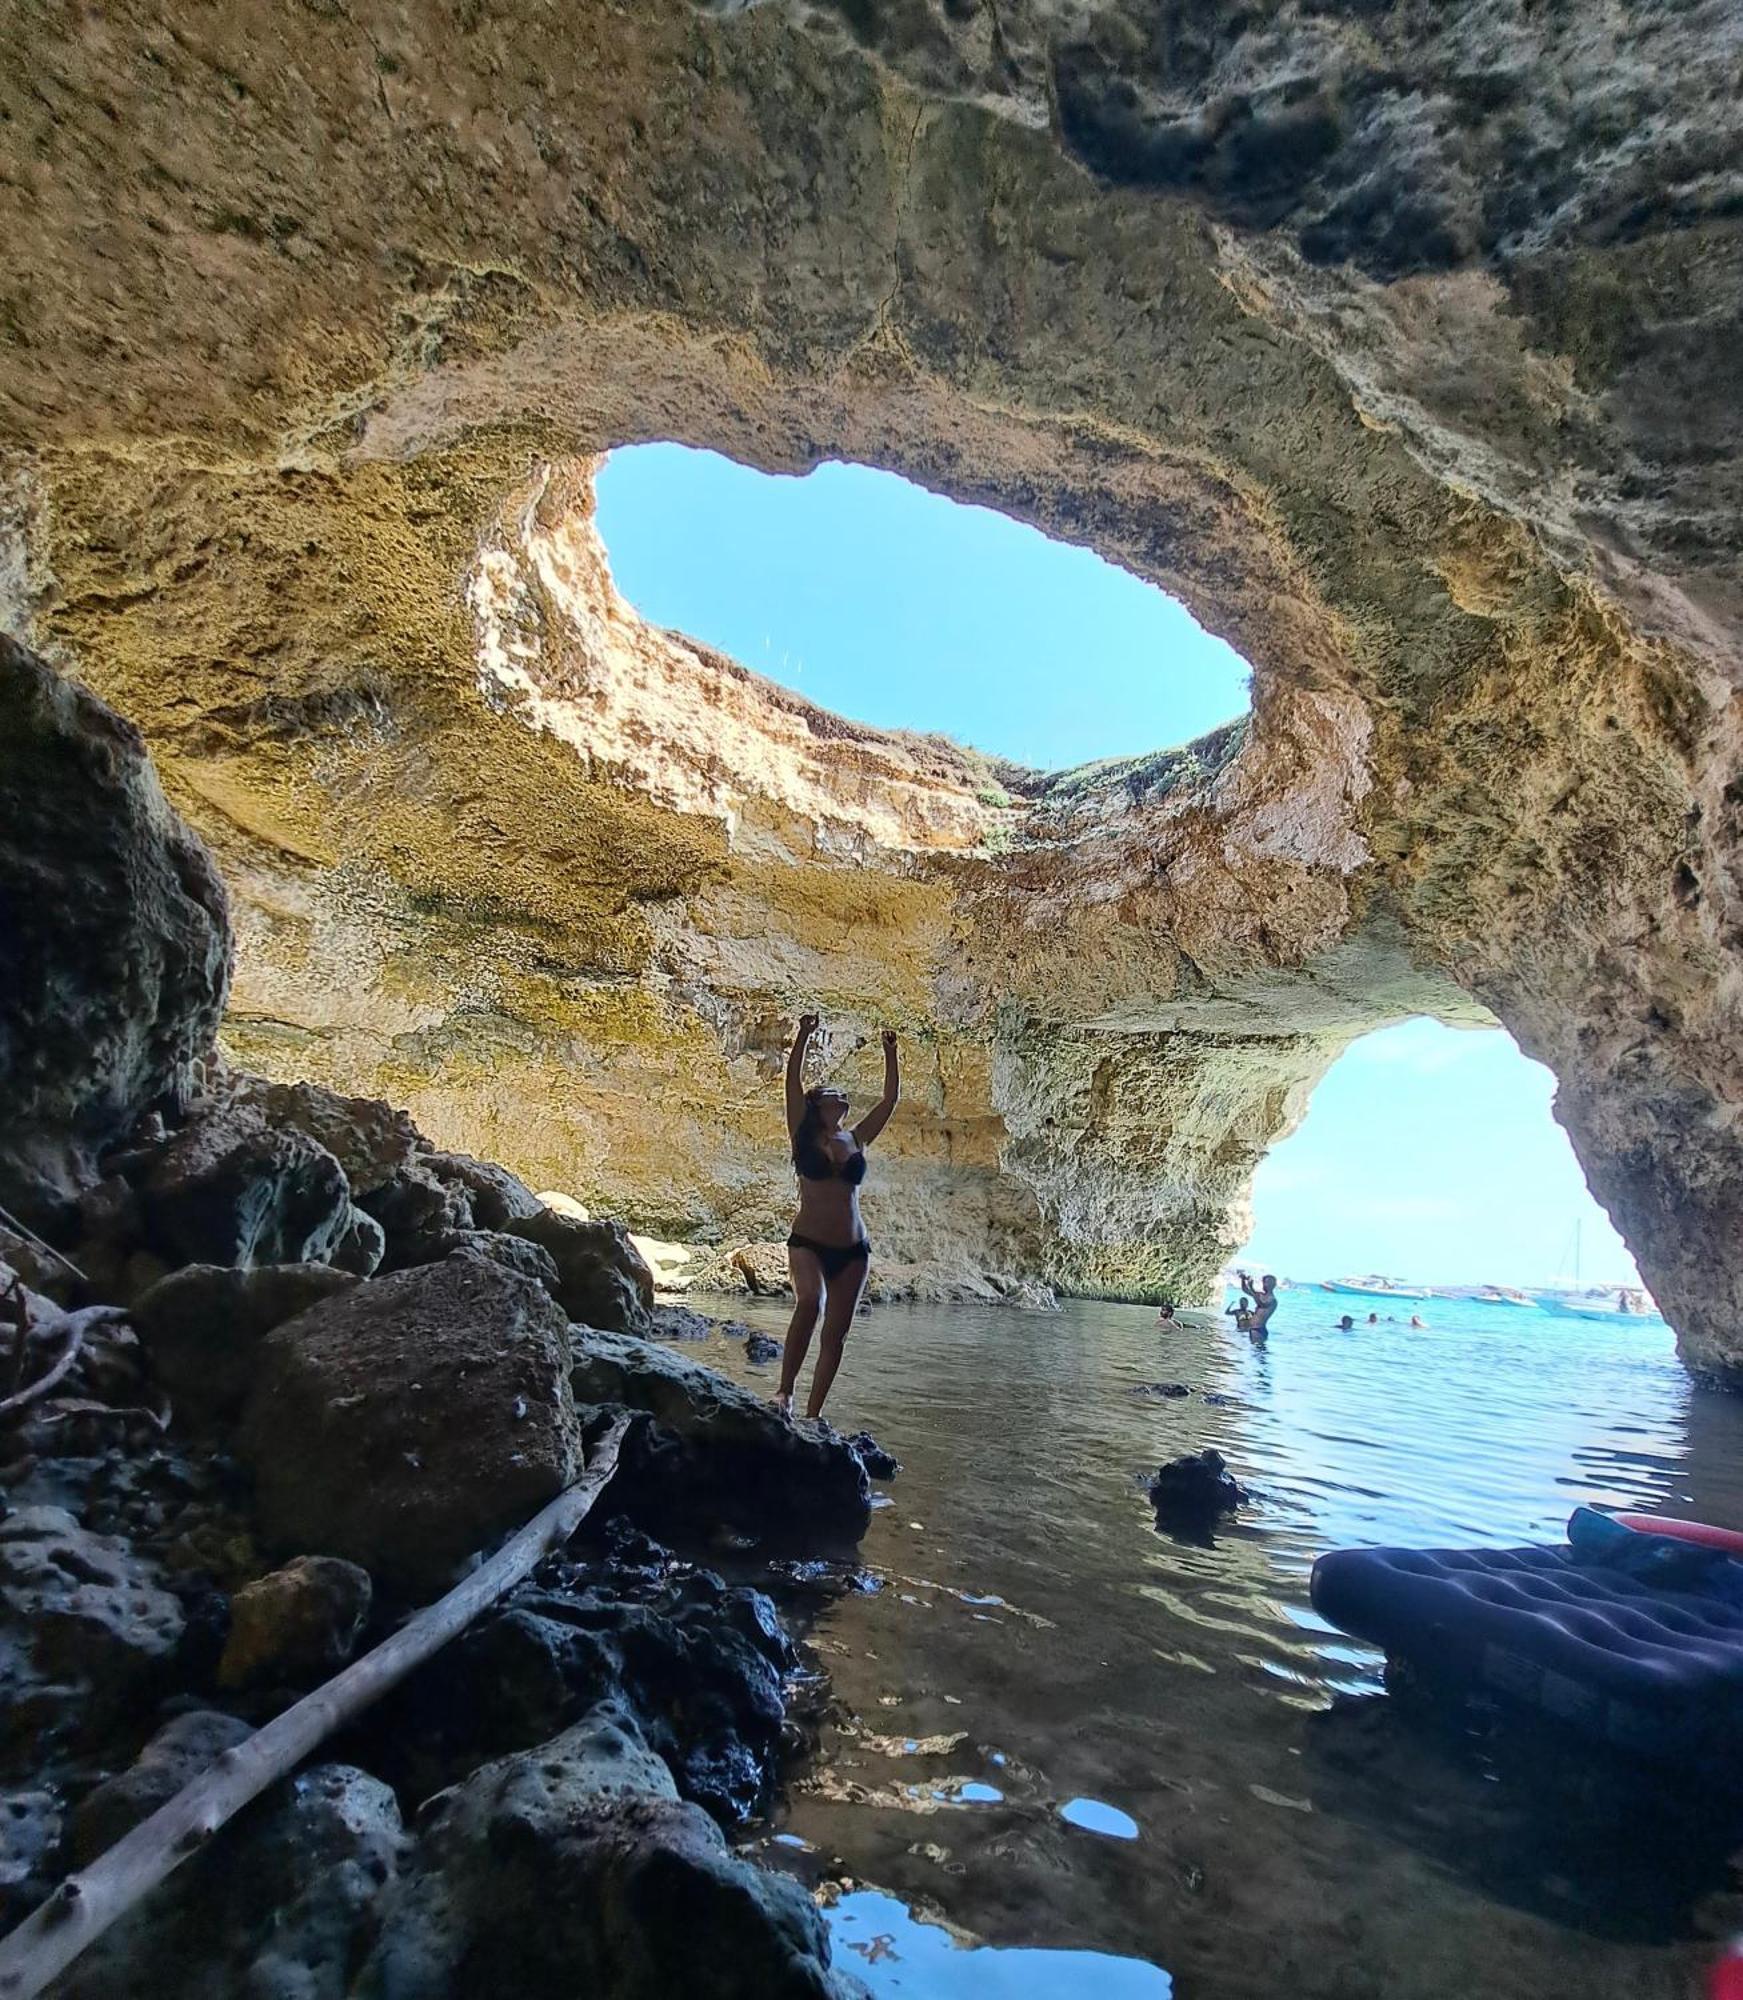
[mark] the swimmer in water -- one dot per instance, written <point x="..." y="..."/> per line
<point x="1166" y="1316"/>
<point x="1346" y="1324"/>
<point x="1373" y="1319"/>
<point x="1414" y="1321"/>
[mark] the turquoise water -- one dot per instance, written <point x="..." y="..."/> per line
<point x="1057" y="1731"/>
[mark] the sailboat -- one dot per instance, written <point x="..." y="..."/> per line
<point x="1596" y="1302"/>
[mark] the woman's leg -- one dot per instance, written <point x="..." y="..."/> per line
<point x="844" y="1290"/>
<point x="807" y="1298"/>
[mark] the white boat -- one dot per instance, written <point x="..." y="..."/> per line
<point x="1620" y="1309"/>
<point x="1499" y="1295"/>
<point x="1373" y="1288"/>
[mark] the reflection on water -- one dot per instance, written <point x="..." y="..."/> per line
<point x="1043" y="1669"/>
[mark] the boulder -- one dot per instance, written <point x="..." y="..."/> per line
<point x="372" y="1141"/>
<point x="174" y="1757"/>
<point x="30" y="1834"/>
<point x="679" y="1323"/>
<point x="761" y="1347"/>
<point x="86" y="1628"/>
<point x="231" y="1190"/>
<point x="575" y="1869"/>
<point x="1190" y="1493"/>
<point x="717" y="1454"/>
<point x="602" y="1279"/>
<point x="281" y="1906"/>
<point x="878" y="1463"/>
<point x="116" y="954"/>
<point x="758" y="1268"/>
<point x="497" y="1196"/>
<point x="363" y="1246"/>
<point x="418" y="1214"/>
<point x="296" y="1625"/>
<point x="413" y="1419"/>
<point x="201" y="1327"/>
<point x="514" y="1253"/>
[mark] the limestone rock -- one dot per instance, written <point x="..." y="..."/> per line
<point x="636" y="1893"/>
<point x="717" y="1454"/>
<point x="114" y="964"/>
<point x="298" y="1624"/>
<point x="230" y="1190"/>
<point x="282" y="1907"/>
<point x="87" y="1627"/>
<point x="413" y="1419"/>
<point x="174" y="1757"/>
<point x="601" y="1277"/>
<point x="563" y="1204"/>
<point x="201" y="1327"/>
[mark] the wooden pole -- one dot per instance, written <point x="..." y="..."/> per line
<point x="86" y="1904"/>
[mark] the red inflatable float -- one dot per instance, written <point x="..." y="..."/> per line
<point x="1727" y="1539"/>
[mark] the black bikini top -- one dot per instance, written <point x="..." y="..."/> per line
<point x="814" y="1164"/>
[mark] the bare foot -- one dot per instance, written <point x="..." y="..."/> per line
<point x="783" y="1403"/>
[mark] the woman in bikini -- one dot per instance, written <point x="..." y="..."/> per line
<point x="827" y="1252"/>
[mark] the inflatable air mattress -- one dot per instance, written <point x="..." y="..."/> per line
<point x="1632" y="1663"/>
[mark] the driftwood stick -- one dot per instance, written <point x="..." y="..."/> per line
<point x="30" y="1236"/>
<point x="86" y="1904"/>
<point x="72" y="1331"/>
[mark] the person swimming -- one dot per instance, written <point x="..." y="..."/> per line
<point x="1414" y="1321"/>
<point x="1373" y="1319"/>
<point x="1346" y="1324"/>
<point x="1166" y="1316"/>
<point x="828" y="1251"/>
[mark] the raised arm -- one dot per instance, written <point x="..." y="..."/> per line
<point x="796" y="1073"/>
<point x="878" y="1116"/>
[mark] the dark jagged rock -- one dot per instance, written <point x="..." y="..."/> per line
<point x="86" y="1627"/>
<point x="513" y="1253"/>
<point x="878" y="1463"/>
<point x="417" y="1214"/>
<point x="362" y="1247"/>
<point x="1192" y="1492"/>
<point x="30" y="1833"/>
<point x="716" y="1453"/>
<point x="280" y="1908"/>
<point x="574" y="1868"/>
<point x="114" y="935"/>
<point x="1161" y="1392"/>
<point x="602" y="1278"/>
<point x="201" y="1327"/>
<point x="176" y="1755"/>
<point x="371" y="1140"/>
<point x="413" y="1419"/>
<point x="231" y="1190"/>
<point x="701" y="1664"/>
<point x="296" y="1625"/>
<point x="680" y="1323"/>
<point x="497" y="1197"/>
<point x="760" y="1347"/>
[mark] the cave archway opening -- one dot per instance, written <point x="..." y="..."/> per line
<point x="1429" y="1155"/>
<point x="898" y="607"/>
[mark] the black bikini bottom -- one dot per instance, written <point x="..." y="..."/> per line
<point x="834" y="1257"/>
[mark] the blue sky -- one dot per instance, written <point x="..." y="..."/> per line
<point x="1428" y="1152"/>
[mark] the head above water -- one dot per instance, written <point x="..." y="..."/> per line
<point x="1346" y="1323"/>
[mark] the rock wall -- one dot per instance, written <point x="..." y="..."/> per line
<point x="1397" y="345"/>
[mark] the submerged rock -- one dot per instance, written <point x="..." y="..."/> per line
<point x="1161" y="1392"/>
<point x="413" y="1419"/>
<point x="717" y="1454"/>
<point x="760" y="1347"/>
<point x="574" y="1868"/>
<point x="1192" y="1492"/>
<point x="116" y="955"/>
<point x="201" y="1327"/>
<point x="602" y="1279"/>
<point x="299" y="1623"/>
<point x="679" y="1323"/>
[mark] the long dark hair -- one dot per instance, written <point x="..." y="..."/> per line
<point x="808" y="1154"/>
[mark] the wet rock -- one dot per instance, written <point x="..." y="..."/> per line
<point x="281" y="1907"/>
<point x="497" y="1197"/>
<point x="573" y="1868"/>
<point x="680" y="1323"/>
<point x="878" y="1463"/>
<point x="1161" y="1392"/>
<point x="1194" y="1491"/>
<point x="201" y="1327"/>
<point x="86" y="1627"/>
<point x="716" y="1453"/>
<point x="602" y="1279"/>
<point x="513" y="1253"/>
<point x="413" y="1419"/>
<point x="701" y="1663"/>
<point x="417" y="1214"/>
<point x="30" y="1832"/>
<point x="116" y="959"/>
<point x="174" y="1757"/>
<point x="296" y="1625"/>
<point x="230" y="1190"/>
<point x="760" y="1347"/>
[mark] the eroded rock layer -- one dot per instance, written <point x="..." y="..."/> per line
<point x="1401" y="347"/>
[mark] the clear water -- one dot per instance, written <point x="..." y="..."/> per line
<point x="1057" y="1731"/>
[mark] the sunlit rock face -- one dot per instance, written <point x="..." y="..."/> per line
<point x="1399" y="343"/>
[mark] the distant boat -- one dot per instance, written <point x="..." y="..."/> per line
<point x="1584" y="1306"/>
<point x="1499" y="1295"/>
<point x="1373" y="1288"/>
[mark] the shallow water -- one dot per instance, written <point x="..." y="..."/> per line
<point x="1059" y="1733"/>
